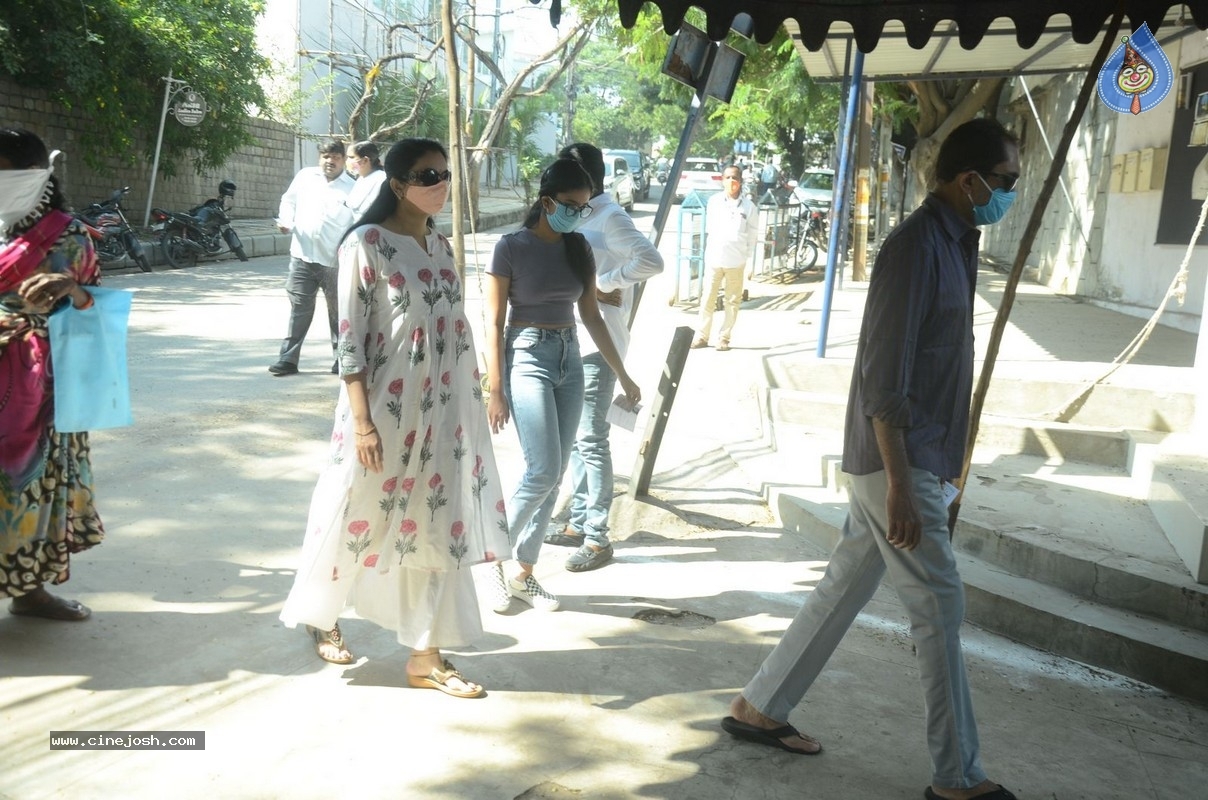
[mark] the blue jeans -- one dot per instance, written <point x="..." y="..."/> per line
<point x="545" y="393"/>
<point x="591" y="460"/>
<point x="303" y="283"/>
<point x="930" y="590"/>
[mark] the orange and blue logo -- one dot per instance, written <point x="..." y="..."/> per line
<point x="1137" y="76"/>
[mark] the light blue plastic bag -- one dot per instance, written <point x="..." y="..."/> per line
<point x="88" y="356"/>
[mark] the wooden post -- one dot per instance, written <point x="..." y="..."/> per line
<point x="456" y="141"/>
<point x="859" y="234"/>
<point x="660" y="410"/>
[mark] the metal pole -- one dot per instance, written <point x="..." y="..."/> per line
<point x="159" y="141"/>
<point x="839" y="210"/>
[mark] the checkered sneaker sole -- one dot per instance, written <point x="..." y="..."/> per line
<point x="532" y="593"/>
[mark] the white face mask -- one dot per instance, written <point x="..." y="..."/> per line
<point x="21" y="190"/>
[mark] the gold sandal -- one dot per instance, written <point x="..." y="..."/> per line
<point x="333" y="638"/>
<point x="438" y="679"/>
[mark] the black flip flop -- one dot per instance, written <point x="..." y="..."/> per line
<point x="767" y="736"/>
<point x="56" y="608"/>
<point x="998" y="794"/>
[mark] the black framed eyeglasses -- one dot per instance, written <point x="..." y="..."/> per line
<point x="582" y="212"/>
<point x="428" y="177"/>
<point x="1006" y="180"/>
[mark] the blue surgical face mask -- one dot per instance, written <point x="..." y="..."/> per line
<point x="563" y="218"/>
<point x="995" y="208"/>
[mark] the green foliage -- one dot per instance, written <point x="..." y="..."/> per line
<point x="106" y="58"/>
<point x="394" y="100"/>
<point x="624" y="100"/>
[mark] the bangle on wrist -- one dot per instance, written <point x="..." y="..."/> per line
<point x="87" y="303"/>
<point x="366" y="433"/>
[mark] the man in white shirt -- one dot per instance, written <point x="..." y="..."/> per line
<point x="731" y="233"/>
<point x="624" y="258"/>
<point x="313" y="209"/>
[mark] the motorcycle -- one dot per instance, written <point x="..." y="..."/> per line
<point x="200" y="233"/>
<point x="112" y="236"/>
<point x="807" y="237"/>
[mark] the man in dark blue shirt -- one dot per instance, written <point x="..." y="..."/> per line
<point x="907" y="420"/>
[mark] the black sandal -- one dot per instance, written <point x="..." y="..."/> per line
<point x="333" y="638"/>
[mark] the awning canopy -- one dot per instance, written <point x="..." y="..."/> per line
<point x="933" y="40"/>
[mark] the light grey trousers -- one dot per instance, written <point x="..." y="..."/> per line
<point x="930" y="589"/>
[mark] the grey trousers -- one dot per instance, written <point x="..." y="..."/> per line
<point x="930" y="589"/>
<point x="303" y="283"/>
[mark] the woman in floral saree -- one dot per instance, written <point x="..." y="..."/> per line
<point x="46" y="503"/>
<point x="410" y="497"/>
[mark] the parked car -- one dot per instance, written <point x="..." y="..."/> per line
<point x="698" y="175"/>
<point x="618" y="182"/>
<point x="639" y="168"/>
<point x="815" y="187"/>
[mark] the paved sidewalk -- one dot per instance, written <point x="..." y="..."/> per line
<point x="618" y="696"/>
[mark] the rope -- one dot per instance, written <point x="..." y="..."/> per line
<point x="1177" y="290"/>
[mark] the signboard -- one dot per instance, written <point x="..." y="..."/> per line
<point x="190" y="109"/>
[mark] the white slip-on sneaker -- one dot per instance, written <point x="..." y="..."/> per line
<point x="497" y="592"/>
<point x="532" y="593"/>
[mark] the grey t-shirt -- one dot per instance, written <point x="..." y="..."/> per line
<point x="543" y="288"/>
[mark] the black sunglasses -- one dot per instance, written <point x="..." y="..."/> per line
<point x="427" y="177"/>
<point x="1007" y="181"/>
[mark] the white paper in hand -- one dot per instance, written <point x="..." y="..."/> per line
<point x="621" y="414"/>
<point x="949" y="491"/>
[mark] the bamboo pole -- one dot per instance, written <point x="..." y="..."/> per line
<point x="1025" y="249"/>
<point x="456" y="141"/>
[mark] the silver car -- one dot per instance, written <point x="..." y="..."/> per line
<point x="618" y="182"/>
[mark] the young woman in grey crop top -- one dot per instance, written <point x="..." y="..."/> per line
<point x="534" y="369"/>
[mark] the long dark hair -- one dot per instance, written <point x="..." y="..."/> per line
<point x="398" y="164"/>
<point x="24" y="150"/>
<point x="368" y="150"/>
<point x="567" y="175"/>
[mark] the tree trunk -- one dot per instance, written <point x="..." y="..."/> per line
<point x="937" y="119"/>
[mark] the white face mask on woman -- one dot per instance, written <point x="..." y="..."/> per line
<point x="21" y="190"/>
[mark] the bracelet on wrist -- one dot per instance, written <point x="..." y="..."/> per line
<point x="366" y="433"/>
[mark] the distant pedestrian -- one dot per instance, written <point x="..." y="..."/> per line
<point x="541" y="273"/>
<point x="907" y="419"/>
<point x="731" y="233"/>
<point x="624" y="258"/>
<point x="365" y="166"/>
<point x="769" y="179"/>
<point x="313" y="210"/>
<point x="410" y="497"/>
<point x="47" y="510"/>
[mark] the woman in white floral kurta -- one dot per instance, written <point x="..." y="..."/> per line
<point x="410" y="498"/>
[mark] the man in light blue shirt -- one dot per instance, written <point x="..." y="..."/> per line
<point x="624" y="258"/>
<point x="313" y="210"/>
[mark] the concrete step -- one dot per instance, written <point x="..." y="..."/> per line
<point x="1078" y="527"/>
<point x="1174" y="470"/>
<point x="1053" y="440"/>
<point x="1030" y="611"/>
<point x="1136" y="397"/>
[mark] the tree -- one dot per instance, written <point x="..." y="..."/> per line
<point x="943" y="106"/>
<point x="775" y="104"/>
<point x="106" y="58"/>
